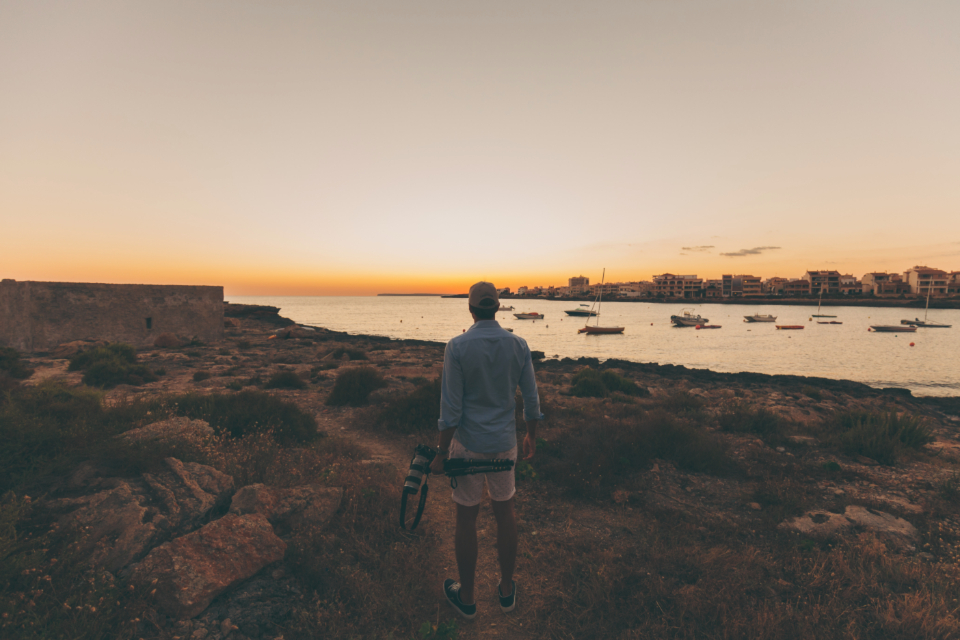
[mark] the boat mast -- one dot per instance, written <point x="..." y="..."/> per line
<point x="600" y="295"/>
<point x="927" y="310"/>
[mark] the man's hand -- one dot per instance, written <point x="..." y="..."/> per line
<point x="436" y="467"/>
<point x="529" y="446"/>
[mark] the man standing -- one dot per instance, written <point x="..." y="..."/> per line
<point x="481" y="371"/>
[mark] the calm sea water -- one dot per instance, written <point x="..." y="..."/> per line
<point x="847" y="351"/>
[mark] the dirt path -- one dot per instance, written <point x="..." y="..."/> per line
<point x="439" y="517"/>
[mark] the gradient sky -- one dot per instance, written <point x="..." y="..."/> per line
<point x="359" y="147"/>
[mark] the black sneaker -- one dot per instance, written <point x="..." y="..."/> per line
<point x="451" y="589"/>
<point x="507" y="603"/>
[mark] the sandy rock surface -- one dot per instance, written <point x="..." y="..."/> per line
<point x="189" y="572"/>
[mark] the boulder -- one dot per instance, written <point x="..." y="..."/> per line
<point x="174" y="428"/>
<point x="233" y="323"/>
<point x="186" y="574"/>
<point x="116" y="526"/>
<point x="824" y="524"/>
<point x="169" y="341"/>
<point x="188" y="491"/>
<point x="122" y="521"/>
<point x="294" y="507"/>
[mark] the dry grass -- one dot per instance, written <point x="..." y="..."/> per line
<point x="665" y="578"/>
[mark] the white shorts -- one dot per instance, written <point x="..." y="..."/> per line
<point x="500" y="484"/>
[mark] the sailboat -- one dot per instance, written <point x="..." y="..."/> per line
<point x="818" y="314"/>
<point x="597" y="329"/>
<point x="926" y="324"/>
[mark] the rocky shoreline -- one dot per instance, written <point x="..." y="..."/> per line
<point x="211" y="552"/>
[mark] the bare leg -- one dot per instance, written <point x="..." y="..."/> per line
<point x="465" y="543"/>
<point x="506" y="542"/>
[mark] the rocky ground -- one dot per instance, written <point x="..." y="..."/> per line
<point x="210" y="556"/>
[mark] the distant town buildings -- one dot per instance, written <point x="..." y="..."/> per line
<point x="924" y="279"/>
<point x="916" y="281"/>
<point x="823" y="281"/>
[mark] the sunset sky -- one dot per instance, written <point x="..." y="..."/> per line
<point x="319" y="148"/>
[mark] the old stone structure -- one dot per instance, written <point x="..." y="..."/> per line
<point x="38" y="316"/>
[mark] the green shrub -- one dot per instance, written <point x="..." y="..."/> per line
<point x="352" y="354"/>
<point x="234" y="385"/>
<point x="353" y="387"/>
<point x="108" y="366"/>
<point x="47" y="426"/>
<point x="681" y="402"/>
<point x="831" y="465"/>
<point x="738" y="417"/>
<point x="812" y="392"/>
<point x="200" y="376"/>
<point x="116" y="351"/>
<point x="107" y="374"/>
<point x="244" y="344"/>
<point x="881" y="436"/>
<point x="590" y="383"/>
<point x="415" y="412"/>
<point x="10" y="364"/>
<point x="285" y="380"/>
<point x="586" y="459"/>
<point x="249" y="412"/>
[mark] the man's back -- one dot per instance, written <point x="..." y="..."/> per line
<point x="481" y="371"/>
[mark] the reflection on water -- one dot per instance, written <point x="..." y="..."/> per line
<point x="845" y="351"/>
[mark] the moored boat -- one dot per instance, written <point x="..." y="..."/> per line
<point x="503" y="308"/>
<point x="528" y="316"/>
<point x="589" y="329"/>
<point x="597" y="329"/>
<point x="581" y="311"/>
<point x="708" y="326"/>
<point x="760" y="318"/>
<point x="789" y="326"/>
<point x="829" y="322"/>
<point x="688" y="319"/>
<point x="926" y="324"/>
<point x="893" y="328"/>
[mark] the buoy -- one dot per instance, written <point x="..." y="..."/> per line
<point x="464" y="331"/>
<point x="869" y="329"/>
<point x="911" y="344"/>
<point x="651" y="324"/>
<point x="698" y="327"/>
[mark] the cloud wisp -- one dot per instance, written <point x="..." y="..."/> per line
<point x="699" y="248"/>
<point x="748" y="252"/>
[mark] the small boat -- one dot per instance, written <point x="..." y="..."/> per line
<point x="760" y="318"/>
<point x="688" y="319"/>
<point x="597" y="329"/>
<point x="589" y="329"/>
<point x="789" y="326"/>
<point x="581" y="311"/>
<point x="828" y="322"/>
<point x="528" y="316"/>
<point x="926" y="324"/>
<point x="818" y="314"/>
<point x="708" y="326"/>
<point x="503" y="308"/>
<point x="894" y="328"/>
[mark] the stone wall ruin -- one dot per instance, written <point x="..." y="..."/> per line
<point x="38" y="316"/>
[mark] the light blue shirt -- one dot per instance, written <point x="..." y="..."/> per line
<point x="481" y="371"/>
